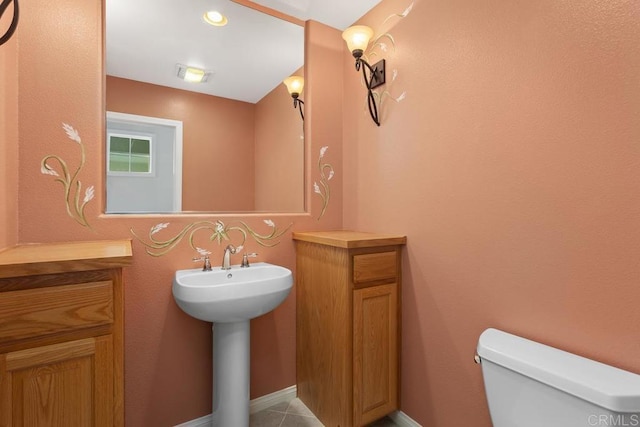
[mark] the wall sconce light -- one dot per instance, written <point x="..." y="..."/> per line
<point x="14" y="21"/>
<point x="294" y="86"/>
<point x="357" y="38"/>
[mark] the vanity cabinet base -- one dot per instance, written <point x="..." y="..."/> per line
<point x="61" y="384"/>
<point x="61" y="334"/>
<point x="348" y="325"/>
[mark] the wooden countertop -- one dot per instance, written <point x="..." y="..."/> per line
<point x="50" y="258"/>
<point x="350" y="239"/>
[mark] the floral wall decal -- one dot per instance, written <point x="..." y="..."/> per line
<point x="219" y="233"/>
<point x="399" y="15"/>
<point x="326" y="173"/>
<point x="70" y="182"/>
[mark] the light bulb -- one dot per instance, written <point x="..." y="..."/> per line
<point x="193" y="75"/>
<point x="215" y="18"/>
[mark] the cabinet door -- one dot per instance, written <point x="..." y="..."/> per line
<point x="375" y="352"/>
<point x="68" y="384"/>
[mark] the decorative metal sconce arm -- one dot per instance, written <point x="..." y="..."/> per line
<point x="14" y="21"/>
<point x="298" y="103"/>
<point x="375" y="79"/>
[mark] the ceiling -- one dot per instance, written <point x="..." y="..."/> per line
<point x="338" y="14"/>
<point x="248" y="58"/>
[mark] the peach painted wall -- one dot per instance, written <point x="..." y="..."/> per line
<point x="8" y="138"/>
<point x="218" y="134"/>
<point x="279" y="152"/>
<point x="512" y="164"/>
<point x="167" y="353"/>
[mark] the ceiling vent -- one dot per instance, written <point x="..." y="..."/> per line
<point x="192" y="74"/>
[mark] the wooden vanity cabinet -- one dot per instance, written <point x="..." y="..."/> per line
<point x="348" y="325"/>
<point x="61" y="334"/>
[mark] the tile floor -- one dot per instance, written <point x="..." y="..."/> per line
<point x="295" y="414"/>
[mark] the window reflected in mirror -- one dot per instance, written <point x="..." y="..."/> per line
<point x="129" y="154"/>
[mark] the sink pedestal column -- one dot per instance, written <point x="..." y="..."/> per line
<point x="231" y="374"/>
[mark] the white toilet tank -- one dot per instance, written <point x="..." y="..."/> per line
<point x="533" y="385"/>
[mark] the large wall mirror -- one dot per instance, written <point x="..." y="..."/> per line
<point x="233" y="143"/>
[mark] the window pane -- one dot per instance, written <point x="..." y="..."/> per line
<point x="140" y="155"/>
<point x="140" y="146"/>
<point x="139" y="163"/>
<point x="119" y="162"/>
<point x="119" y="144"/>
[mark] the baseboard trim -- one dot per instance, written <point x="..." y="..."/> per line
<point x="403" y="420"/>
<point x="256" y="405"/>
<point x="205" y="421"/>
<point x="263" y="402"/>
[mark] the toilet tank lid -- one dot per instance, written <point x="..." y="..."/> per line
<point x="600" y="384"/>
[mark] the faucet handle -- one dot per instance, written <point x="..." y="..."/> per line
<point x="245" y="259"/>
<point x="207" y="262"/>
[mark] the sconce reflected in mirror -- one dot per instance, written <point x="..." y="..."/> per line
<point x="295" y="84"/>
<point x="14" y="21"/>
<point x="357" y="38"/>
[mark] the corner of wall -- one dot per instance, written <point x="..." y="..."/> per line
<point x="323" y="105"/>
<point x="8" y="144"/>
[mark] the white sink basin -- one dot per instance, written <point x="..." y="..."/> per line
<point x="229" y="298"/>
<point x="234" y="295"/>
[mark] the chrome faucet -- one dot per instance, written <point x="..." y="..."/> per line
<point x="228" y="251"/>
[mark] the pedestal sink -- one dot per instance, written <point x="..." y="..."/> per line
<point x="229" y="299"/>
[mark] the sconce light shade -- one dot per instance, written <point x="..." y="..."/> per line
<point x="357" y="38"/>
<point x="295" y="84"/>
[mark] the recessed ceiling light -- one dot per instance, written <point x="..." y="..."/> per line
<point x="215" y="18"/>
<point x="192" y="74"/>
